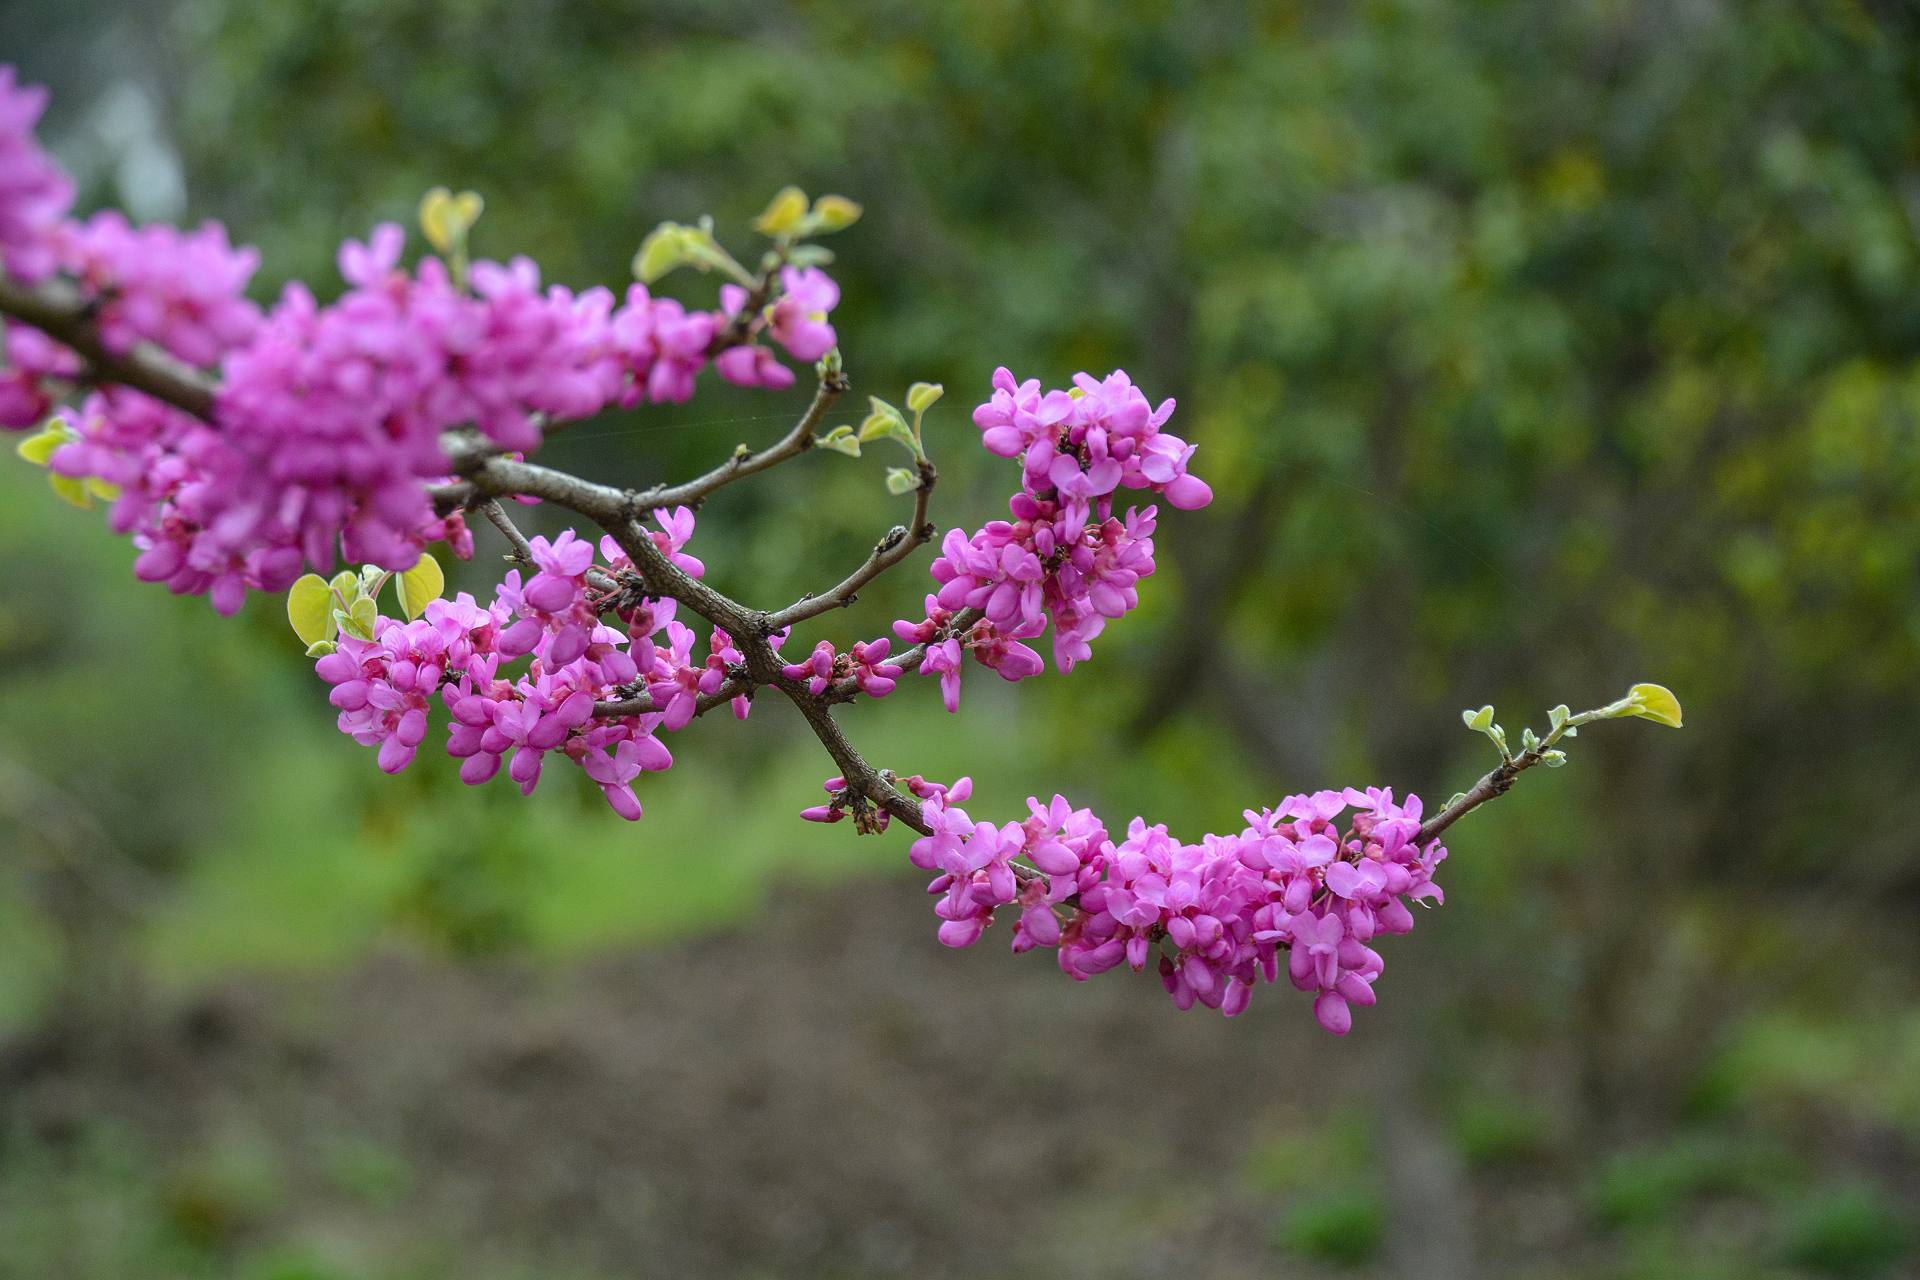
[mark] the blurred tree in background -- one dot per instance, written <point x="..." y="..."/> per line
<point x="1532" y="350"/>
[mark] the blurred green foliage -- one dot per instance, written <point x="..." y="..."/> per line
<point x="1853" y="1231"/>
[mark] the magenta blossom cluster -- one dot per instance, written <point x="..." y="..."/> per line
<point x="330" y="419"/>
<point x="34" y="194"/>
<point x="797" y="320"/>
<point x="32" y="367"/>
<point x="865" y="664"/>
<point x="1217" y="913"/>
<point x="457" y="652"/>
<point x="841" y="802"/>
<point x="1065" y="557"/>
<point x="182" y="291"/>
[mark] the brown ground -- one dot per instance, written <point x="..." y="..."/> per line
<point x="825" y="1093"/>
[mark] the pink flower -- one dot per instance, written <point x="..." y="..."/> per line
<point x="798" y="321"/>
<point x="1065" y="558"/>
<point x="34" y="194"/>
<point x="1219" y="911"/>
<point x="751" y="365"/>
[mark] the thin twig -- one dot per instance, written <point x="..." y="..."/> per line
<point x="1495" y="783"/>
<point x="900" y="542"/>
<point x="743" y="462"/>
<point x="497" y="516"/>
<point x="641" y="704"/>
<point x="483" y="474"/>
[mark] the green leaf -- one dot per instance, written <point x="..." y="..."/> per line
<point x="359" y="620"/>
<point x="71" y="490"/>
<point x="321" y="649"/>
<point x="833" y="213"/>
<point x="345" y="586"/>
<point x="784" y="214"/>
<point x="879" y="426"/>
<point x="921" y="395"/>
<point x="310" y="609"/>
<point x="664" y="249"/>
<point x="1558" y="716"/>
<point x="446" y="218"/>
<point x="1654" y="702"/>
<point x="840" y="440"/>
<point x="1553" y="759"/>
<point x="810" y="255"/>
<point x="421" y="585"/>
<point x="39" y="447"/>
<point x="1478" y="721"/>
<point x="900" y="480"/>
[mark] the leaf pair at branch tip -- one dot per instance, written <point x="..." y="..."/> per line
<point x="1647" y="701"/>
<point x="672" y="245"/>
<point x="1656" y="703"/>
<point x="787" y="216"/>
<point x="446" y="218"/>
<point x="885" y="422"/>
<point x="841" y="440"/>
<point x="319" y="610"/>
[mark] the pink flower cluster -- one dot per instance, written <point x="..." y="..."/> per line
<point x="841" y="802"/>
<point x="454" y="653"/>
<point x="330" y="418"/>
<point x="797" y="320"/>
<point x="865" y="664"/>
<point x="1065" y="557"/>
<point x="34" y="194"/>
<point x="1218" y="913"/>
<point x="185" y="292"/>
<point x="32" y="367"/>
<point x="1088" y="442"/>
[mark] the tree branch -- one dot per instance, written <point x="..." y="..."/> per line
<point x="1495" y="783"/>
<point x="484" y="476"/>
<point x="642" y="704"/>
<point x="744" y="462"/>
<point x="57" y="309"/>
<point x="900" y="542"/>
<point x="497" y="516"/>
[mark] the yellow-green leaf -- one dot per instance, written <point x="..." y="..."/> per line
<point x="664" y="249"/>
<point x="359" y="620"/>
<point x="921" y="395"/>
<point x="840" y="440"/>
<point x="783" y="214"/>
<point x="421" y="585"/>
<point x="310" y="609"/>
<point x="900" y="480"/>
<point x="879" y="426"/>
<point x="1656" y="703"/>
<point x="39" y="447"/>
<point x="71" y="490"/>
<point x="346" y="585"/>
<point x="446" y="218"/>
<point x="834" y="213"/>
